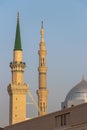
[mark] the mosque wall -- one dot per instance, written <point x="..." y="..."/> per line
<point x="74" y="118"/>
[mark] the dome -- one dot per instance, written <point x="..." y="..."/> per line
<point x="76" y="95"/>
<point x="78" y="92"/>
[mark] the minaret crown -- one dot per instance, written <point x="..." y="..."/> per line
<point x="42" y="42"/>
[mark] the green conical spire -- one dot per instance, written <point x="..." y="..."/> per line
<point x="17" y="45"/>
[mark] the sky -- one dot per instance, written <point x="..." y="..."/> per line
<point x="65" y="24"/>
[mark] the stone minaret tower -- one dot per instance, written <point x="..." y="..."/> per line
<point x="17" y="89"/>
<point x="42" y="91"/>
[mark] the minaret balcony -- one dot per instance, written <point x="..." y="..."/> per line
<point x="17" y="64"/>
<point x="17" y="88"/>
<point x="42" y="69"/>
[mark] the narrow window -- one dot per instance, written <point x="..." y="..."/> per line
<point x="64" y="119"/>
<point x="44" y="106"/>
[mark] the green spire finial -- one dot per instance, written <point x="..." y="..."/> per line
<point x="18" y="17"/>
<point x="17" y="45"/>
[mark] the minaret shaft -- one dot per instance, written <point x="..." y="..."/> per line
<point x="42" y="91"/>
<point x="17" y="89"/>
<point x="17" y="56"/>
<point x="17" y="73"/>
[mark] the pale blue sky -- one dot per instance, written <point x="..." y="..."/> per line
<point x="65" y="23"/>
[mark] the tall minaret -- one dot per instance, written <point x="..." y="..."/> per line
<point x="42" y="91"/>
<point x="17" y="89"/>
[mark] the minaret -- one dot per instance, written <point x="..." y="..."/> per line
<point x="17" y="89"/>
<point x="42" y="91"/>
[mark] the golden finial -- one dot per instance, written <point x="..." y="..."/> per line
<point x="83" y="77"/>
<point x="42" y="32"/>
<point x="42" y="25"/>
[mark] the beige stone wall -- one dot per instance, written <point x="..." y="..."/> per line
<point x="76" y="119"/>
